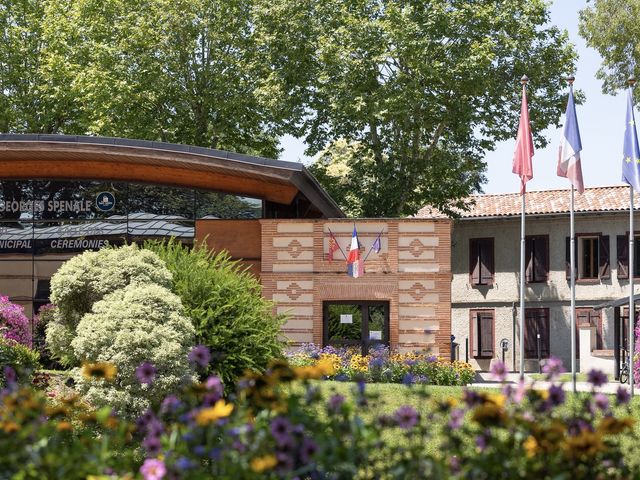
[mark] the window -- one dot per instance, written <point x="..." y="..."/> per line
<point x="536" y="322"/>
<point x="537" y="258"/>
<point x="622" y="254"/>
<point x="481" y="328"/>
<point x="481" y="267"/>
<point x="588" y="316"/>
<point x="592" y="257"/>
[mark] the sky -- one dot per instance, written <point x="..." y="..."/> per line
<point x="601" y="120"/>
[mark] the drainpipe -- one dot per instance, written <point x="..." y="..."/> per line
<point x="514" y="317"/>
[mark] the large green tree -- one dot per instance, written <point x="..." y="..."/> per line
<point x="612" y="28"/>
<point x="403" y="98"/>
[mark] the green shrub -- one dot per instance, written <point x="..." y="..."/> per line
<point x="226" y="307"/>
<point x="20" y="358"/>
<point x="87" y="278"/>
<point x="139" y="323"/>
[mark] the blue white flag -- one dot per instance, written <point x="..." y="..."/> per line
<point x="570" y="146"/>
<point x="631" y="152"/>
<point x="355" y="266"/>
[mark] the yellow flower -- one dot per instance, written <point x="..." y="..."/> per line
<point x="531" y="446"/>
<point x="9" y="427"/>
<point x="612" y="426"/>
<point x="260" y="464"/>
<point x="63" y="426"/>
<point x="210" y="415"/>
<point x="325" y="367"/>
<point x="57" y="411"/>
<point x="489" y="414"/>
<point x="586" y="444"/>
<point x="104" y="370"/>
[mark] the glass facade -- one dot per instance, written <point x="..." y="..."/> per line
<point x="45" y="222"/>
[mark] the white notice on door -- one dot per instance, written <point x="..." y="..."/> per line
<point x="348" y="318"/>
<point x="375" y="335"/>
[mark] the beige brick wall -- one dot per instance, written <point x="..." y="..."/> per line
<point x="412" y="272"/>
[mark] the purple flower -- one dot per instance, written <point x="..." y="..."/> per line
<point x="152" y="445"/>
<point x="170" y="404"/>
<point x="307" y="450"/>
<point x="200" y="355"/>
<point x="9" y="375"/>
<point x="143" y="420"/>
<point x="622" y="396"/>
<point x="335" y="403"/>
<point x="553" y="368"/>
<point x="499" y="371"/>
<point x="408" y="379"/>
<point x="146" y="373"/>
<point x="406" y="417"/>
<point x="457" y="415"/>
<point x="596" y="378"/>
<point x="183" y="463"/>
<point x="281" y="430"/>
<point x="376" y="362"/>
<point x="214" y="385"/>
<point x="601" y="401"/>
<point x="482" y="441"/>
<point x="285" y="462"/>
<point x="556" y="395"/>
<point x="239" y="446"/>
<point x="153" y="469"/>
<point x="471" y="398"/>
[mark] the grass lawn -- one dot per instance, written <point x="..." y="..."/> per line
<point x="566" y="377"/>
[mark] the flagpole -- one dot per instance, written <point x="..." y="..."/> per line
<point x="631" y="273"/>
<point x="522" y="272"/>
<point x="572" y="265"/>
<point x="336" y="240"/>
<point x="371" y="248"/>
<point x="524" y="82"/>
<point x="632" y="312"/>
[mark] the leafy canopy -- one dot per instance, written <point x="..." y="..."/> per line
<point x="611" y="27"/>
<point x="403" y="98"/>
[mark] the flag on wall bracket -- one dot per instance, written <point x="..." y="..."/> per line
<point x="355" y="265"/>
<point x="333" y="246"/>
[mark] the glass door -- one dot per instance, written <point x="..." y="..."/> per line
<point x="356" y="324"/>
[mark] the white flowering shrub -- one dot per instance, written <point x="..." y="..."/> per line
<point x="141" y="323"/>
<point x="86" y="279"/>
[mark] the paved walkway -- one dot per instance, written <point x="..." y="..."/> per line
<point x="486" y="381"/>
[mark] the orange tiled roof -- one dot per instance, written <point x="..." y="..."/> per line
<point x="543" y="202"/>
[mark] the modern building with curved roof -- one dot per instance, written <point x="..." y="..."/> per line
<point x="61" y="195"/>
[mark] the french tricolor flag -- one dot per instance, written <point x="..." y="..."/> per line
<point x="354" y="262"/>
<point x="570" y="146"/>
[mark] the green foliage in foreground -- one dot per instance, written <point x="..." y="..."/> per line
<point x="226" y="306"/>
<point x="287" y="424"/>
<point x="87" y="278"/>
<point x="141" y="323"/>
<point x="22" y="360"/>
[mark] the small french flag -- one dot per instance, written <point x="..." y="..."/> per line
<point x="354" y="263"/>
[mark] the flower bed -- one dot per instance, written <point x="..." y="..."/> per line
<point x="380" y="365"/>
<point x="280" y="426"/>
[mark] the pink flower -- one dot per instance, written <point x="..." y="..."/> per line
<point x="153" y="469"/>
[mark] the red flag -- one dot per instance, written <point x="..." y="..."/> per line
<point x="333" y="246"/>
<point x="524" y="146"/>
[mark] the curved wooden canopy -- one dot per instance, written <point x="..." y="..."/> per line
<point x="118" y="159"/>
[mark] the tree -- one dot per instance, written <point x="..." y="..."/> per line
<point x="410" y="95"/>
<point x="184" y="71"/>
<point x="611" y="27"/>
<point x="31" y="99"/>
